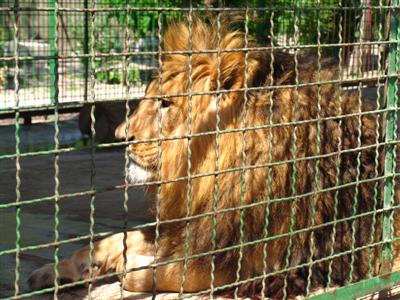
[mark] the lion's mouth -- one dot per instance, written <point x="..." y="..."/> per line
<point x="139" y="171"/>
<point x="148" y="163"/>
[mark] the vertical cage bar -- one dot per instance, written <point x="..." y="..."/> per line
<point x="341" y="54"/>
<point x="126" y="163"/>
<point x="53" y="52"/>
<point x="388" y="193"/>
<point x="216" y="166"/>
<point x="17" y="149"/>
<point x="189" y="151"/>
<point x="159" y="149"/>
<point x="378" y="130"/>
<point x="244" y="154"/>
<point x="54" y="99"/>
<point x="92" y="142"/>
<point x="294" y="170"/>
<point x="270" y="142"/>
<point x="358" y="159"/>
<point x="318" y="152"/>
<point x="86" y="49"/>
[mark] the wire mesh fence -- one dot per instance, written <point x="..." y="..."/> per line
<point x="264" y="132"/>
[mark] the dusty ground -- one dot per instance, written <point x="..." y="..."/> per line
<point x="37" y="180"/>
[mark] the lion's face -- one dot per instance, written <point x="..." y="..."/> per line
<point x="162" y="116"/>
<point x="175" y="108"/>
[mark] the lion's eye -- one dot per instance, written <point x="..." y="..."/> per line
<point x="165" y="103"/>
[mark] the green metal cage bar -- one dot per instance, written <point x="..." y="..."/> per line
<point x="53" y="52"/>
<point x="391" y="119"/>
<point x="361" y="288"/>
<point x="17" y="151"/>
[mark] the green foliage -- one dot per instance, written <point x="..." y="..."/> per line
<point x="114" y="28"/>
<point x="111" y="73"/>
<point x="313" y="19"/>
<point x="284" y="15"/>
<point x="140" y="22"/>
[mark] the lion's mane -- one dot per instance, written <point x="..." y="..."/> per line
<point x="293" y="197"/>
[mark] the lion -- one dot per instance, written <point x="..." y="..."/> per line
<point x="264" y="169"/>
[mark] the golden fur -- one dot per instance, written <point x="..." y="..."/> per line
<point x="286" y="193"/>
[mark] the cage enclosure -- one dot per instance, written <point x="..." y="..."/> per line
<point x="199" y="148"/>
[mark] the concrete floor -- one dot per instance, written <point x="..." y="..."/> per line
<point x="37" y="180"/>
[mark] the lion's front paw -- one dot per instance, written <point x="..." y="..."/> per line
<point x="44" y="278"/>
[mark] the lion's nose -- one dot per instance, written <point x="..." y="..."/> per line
<point x="121" y="134"/>
<point x="128" y="138"/>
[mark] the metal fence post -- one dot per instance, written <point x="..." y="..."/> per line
<point x="389" y="139"/>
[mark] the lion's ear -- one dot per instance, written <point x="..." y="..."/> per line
<point x="256" y="65"/>
<point x="228" y="64"/>
<point x="230" y="74"/>
<point x="234" y="63"/>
